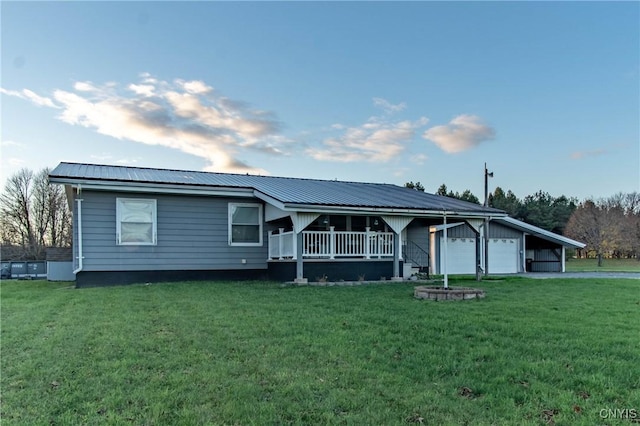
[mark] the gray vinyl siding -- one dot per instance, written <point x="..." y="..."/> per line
<point x="419" y="234"/>
<point x="461" y="231"/>
<point x="497" y="230"/>
<point x="192" y="234"/>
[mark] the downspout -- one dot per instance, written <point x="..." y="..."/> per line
<point x="79" y="222"/>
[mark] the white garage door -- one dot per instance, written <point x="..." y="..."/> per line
<point x="503" y="256"/>
<point x="462" y="256"/>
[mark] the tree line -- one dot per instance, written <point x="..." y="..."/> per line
<point x="610" y="226"/>
<point x="34" y="215"/>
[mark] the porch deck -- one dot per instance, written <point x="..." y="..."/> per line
<point x="331" y="244"/>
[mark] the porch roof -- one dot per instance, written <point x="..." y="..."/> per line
<point x="290" y="192"/>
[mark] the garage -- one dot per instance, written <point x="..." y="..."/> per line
<point x="461" y="257"/>
<point x="503" y="256"/>
<point x="510" y="240"/>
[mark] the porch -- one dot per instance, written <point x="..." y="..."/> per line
<point x="331" y="244"/>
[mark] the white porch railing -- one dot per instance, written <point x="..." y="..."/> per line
<point x="282" y="245"/>
<point x="332" y="244"/>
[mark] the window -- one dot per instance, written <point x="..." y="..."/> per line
<point x="135" y="221"/>
<point x="245" y="224"/>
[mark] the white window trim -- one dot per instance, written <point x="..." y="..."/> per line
<point x="230" y="224"/>
<point x="154" y="222"/>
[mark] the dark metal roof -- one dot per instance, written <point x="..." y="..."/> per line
<point x="290" y="191"/>
<point x="539" y="232"/>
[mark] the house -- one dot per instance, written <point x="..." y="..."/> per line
<point x="136" y="224"/>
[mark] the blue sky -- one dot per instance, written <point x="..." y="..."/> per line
<point x="546" y="93"/>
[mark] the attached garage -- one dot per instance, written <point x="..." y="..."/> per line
<point x="504" y="258"/>
<point x="513" y="247"/>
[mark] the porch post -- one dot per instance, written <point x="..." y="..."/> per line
<point x="367" y="244"/>
<point x="280" y="244"/>
<point x="299" y="265"/>
<point x="486" y="247"/>
<point x="332" y="242"/>
<point x="396" y="257"/>
<point x="478" y="257"/>
<point x="444" y="252"/>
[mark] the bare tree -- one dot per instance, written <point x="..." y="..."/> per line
<point x="34" y="214"/>
<point x="609" y="226"/>
<point x="15" y="207"/>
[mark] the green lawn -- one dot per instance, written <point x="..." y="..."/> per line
<point x="608" y="265"/>
<point x="555" y="351"/>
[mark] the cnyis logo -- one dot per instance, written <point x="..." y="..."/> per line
<point x="619" y="413"/>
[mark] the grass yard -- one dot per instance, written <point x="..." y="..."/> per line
<point x="533" y="352"/>
<point x="608" y="265"/>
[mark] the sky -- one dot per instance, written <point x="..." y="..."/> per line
<point x="547" y="94"/>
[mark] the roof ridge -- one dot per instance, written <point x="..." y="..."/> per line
<point x="226" y="173"/>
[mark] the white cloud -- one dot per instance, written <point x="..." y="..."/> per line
<point x="376" y="141"/>
<point x="461" y="134"/>
<point x="419" y="159"/>
<point x="387" y="106"/>
<point x="128" y="161"/>
<point x="85" y="86"/>
<point x="184" y="115"/>
<point x="12" y="144"/>
<point x="142" y="89"/>
<point x="195" y="87"/>
<point x="29" y="96"/>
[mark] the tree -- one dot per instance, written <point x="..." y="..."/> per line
<point x="505" y="201"/>
<point x="547" y="212"/>
<point x="624" y="211"/>
<point x="34" y="214"/>
<point x="600" y="225"/>
<point x="442" y="190"/>
<point x="467" y="195"/>
<point x="417" y="186"/>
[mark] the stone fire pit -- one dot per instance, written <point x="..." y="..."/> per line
<point x="451" y="293"/>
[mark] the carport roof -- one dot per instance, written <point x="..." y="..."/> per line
<point x="288" y="191"/>
<point x="539" y="232"/>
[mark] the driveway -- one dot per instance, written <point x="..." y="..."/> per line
<point x="543" y="275"/>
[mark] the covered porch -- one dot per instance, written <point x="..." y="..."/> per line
<point x="336" y="242"/>
<point x="331" y="244"/>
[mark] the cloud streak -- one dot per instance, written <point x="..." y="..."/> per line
<point x="581" y="155"/>
<point x="462" y="133"/>
<point x="185" y="115"/>
<point x="29" y="96"/>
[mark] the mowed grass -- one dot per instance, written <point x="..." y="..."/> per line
<point x="555" y="351"/>
<point x="608" y="265"/>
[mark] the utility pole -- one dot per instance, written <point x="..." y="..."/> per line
<point x="487" y="175"/>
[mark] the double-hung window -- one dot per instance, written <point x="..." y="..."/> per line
<point x="245" y="224"/>
<point x="136" y="221"/>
